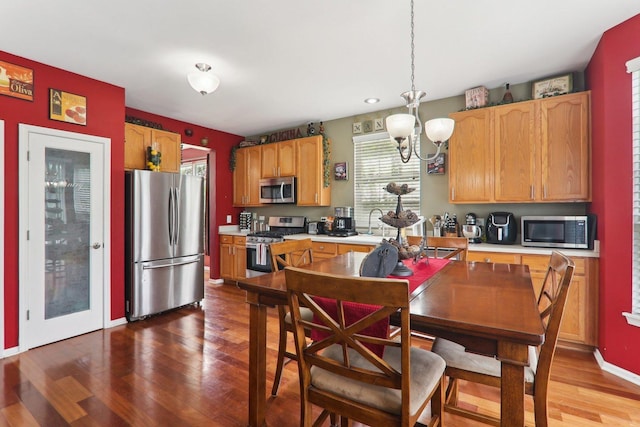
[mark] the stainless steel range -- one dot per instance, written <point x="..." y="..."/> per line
<point x="258" y="256"/>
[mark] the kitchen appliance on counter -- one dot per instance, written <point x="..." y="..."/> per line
<point x="501" y="228"/>
<point x="343" y="227"/>
<point x="575" y="232"/>
<point x="471" y="230"/>
<point x="343" y="211"/>
<point x="258" y="255"/>
<point x="278" y="190"/>
<point x="164" y="254"/>
<point x="245" y="222"/>
<point x="312" y="227"/>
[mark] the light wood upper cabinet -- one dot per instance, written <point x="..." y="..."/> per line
<point x="279" y="159"/>
<point x="566" y="148"/>
<point x="310" y="183"/>
<point x="246" y="191"/>
<point x="471" y="157"/>
<point x="540" y="151"/>
<point x="514" y="137"/>
<point x="138" y="138"/>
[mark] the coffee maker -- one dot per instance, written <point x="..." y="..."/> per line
<point x="343" y="226"/>
<point x="471" y="230"/>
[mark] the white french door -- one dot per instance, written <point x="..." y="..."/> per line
<point x="62" y="234"/>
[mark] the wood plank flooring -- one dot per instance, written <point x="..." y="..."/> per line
<point x="189" y="368"/>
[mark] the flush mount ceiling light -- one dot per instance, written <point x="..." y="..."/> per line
<point x="406" y="128"/>
<point x="372" y="100"/>
<point x="203" y="80"/>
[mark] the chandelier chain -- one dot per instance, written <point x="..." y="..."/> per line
<point x="413" y="87"/>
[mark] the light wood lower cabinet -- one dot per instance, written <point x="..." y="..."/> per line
<point x="322" y="250"/>
<point x="580" y="321"/>
<point x="496" y="257"/>
<point x="233" y="257"/>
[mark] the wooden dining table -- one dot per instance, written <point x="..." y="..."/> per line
<point x="491" y="309"/>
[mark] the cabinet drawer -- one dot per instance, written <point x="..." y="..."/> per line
<point x="344" y="248"/>
<point x="224" y="238"/>
<point x="495" y="257"/>
<point x="540" y="263"/>
<point x="323" y="248"/>
<point x="239" y="240"/>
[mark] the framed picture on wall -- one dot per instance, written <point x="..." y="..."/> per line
<point x="67" y="107"/>
<point x="436" y="166"/>
<point x="341" y="172"/>
<point x="16" y="81"/>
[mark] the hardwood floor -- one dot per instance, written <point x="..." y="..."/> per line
<point x="189" y="368"/>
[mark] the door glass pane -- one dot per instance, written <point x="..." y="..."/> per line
<point x="67" y="213"/>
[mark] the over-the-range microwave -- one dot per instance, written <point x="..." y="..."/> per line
<point x="573" y="232"/>
<point x="278" y="190"/>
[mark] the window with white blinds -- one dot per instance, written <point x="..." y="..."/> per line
<point x="377" y="163"/>
<point x="633" y="67"/>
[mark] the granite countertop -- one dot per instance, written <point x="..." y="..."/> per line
<point x="366" y="239"/>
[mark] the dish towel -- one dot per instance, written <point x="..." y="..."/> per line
<point x="261" y="254"/>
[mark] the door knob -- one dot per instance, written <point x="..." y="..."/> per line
<point x="96" y="245"/>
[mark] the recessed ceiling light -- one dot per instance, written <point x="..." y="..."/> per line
<point x="372" y="100"/>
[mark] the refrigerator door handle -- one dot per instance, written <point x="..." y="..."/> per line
<point x="176" y="224"/>
<point x="170" y="221"/>
<point x="169" y="264"/>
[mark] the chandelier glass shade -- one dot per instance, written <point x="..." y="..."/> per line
<point x="203" y="80"/>
<point x="406" y="128"/>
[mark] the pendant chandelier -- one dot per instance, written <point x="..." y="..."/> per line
<point x="406" y="128"/>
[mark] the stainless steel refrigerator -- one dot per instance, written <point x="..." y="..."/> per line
<point x="164" y="246"/>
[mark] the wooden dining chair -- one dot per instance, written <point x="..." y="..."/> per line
<point x="486" y="370"/>
<point x="352" y="371"/>
<point x="288" y="253"/>
<point x="444" y="247"/>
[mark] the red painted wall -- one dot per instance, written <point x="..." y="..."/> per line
<point x="610" y="86"/>
<point x="220" y="144"/>
<point x="105" y="118"/>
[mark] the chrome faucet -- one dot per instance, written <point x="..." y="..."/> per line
<point x="370" y="212"/>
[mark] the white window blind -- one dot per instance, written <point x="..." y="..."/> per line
<point x="633" y="67"/>
<point x="377" y="163"/>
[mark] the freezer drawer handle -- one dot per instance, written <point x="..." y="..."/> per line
<point x="176" y="264"/>
<point x="96" y="245"/>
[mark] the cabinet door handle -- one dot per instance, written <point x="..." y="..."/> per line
<point x="278" y="170"/>
<point x="532" y="192"/>
<point x="316" y="198"/>
<point x="453" y="193"/>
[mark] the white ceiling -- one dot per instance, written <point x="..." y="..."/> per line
<point x="284" y="63"/>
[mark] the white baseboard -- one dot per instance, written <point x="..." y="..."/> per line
<point x="615" y="370"/>
<point x="216" y="281"/>
<point x="116" y="322"/>
<point x="10" y="352"/>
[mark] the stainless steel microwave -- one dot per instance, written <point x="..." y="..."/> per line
<point x="574" y="232"/>
<point x="278" y="190"/>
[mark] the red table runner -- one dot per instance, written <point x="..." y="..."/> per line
<point x="421" y="272"/>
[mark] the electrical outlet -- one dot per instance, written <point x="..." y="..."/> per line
<point x="323" y="218"/>
<point x="228" y="219"/>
